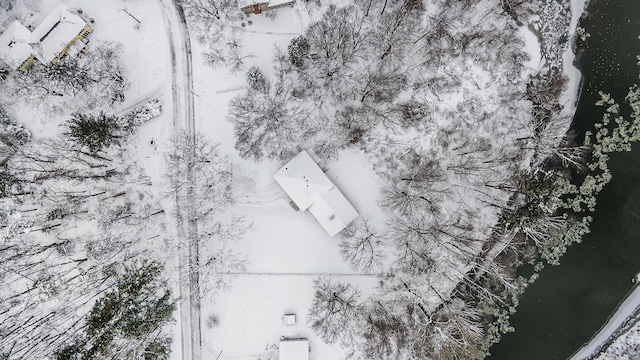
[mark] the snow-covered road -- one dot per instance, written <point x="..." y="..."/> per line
<point x="183" y="120"/>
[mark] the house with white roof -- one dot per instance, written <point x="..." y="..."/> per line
<point x="293" y="349"/>
<point x="15" y="51"/>
<point x="63" y="32"/>
<point x="258" y="6"/>
<point x="310" y="189"/>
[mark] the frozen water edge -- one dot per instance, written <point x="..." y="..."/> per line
<point x="626" y="310"/>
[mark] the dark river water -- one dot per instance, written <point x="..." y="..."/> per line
<point x="569" y="303"/>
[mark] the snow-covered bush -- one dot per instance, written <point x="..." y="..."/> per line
<point x="298" y="50"/>
<point x="140" y="115"/>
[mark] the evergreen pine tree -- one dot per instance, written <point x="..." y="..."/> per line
<point x="94" y="132"/>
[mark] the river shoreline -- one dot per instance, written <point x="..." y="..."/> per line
<point x="568" y="304"/>
<point x="613" y="328"/>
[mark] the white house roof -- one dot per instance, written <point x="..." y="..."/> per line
<point x="243" y="3"/>
<point x="279" y="2"/>
<point x="333" y="211"/>
<point x="294" y="349"/>
<point x="55" y="32"/>
<point x="309" y="188"/>
<point x="302" y="179"/>
<point x="14" y="45"/>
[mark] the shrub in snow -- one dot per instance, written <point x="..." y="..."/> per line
<point x="256" y="79"/>
<point x="140" y="115"/>
<point x="213" y="321"/>
<point x="12" y="130"/>
<point x="298" y="50"/>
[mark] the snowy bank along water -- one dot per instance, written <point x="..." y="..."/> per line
<point x="568" y="304"/>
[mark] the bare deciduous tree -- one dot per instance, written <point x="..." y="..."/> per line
<point x="363" y="246"/>
<point x="335" y="311"/>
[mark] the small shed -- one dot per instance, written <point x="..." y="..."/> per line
<point x="294" y="349"/>
<point x="289" y="319"/>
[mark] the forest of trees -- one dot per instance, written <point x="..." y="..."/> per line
<point x="76" y="216"/>
<point x="474" y="156"/>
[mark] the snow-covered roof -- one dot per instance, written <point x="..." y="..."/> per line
<point x="333" y="211"/>
<point x="279" y="2"/>
<point x="302" y="179"/>
<point x="14" y="45"/>
<point x="294" y="349"/>
<point x="309" y="188"/>
<point x="243" y="3"/>
<point x="55" y="32"/>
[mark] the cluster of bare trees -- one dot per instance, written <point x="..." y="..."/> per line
<point x="268" y="122"/>
<point x="399" y="324"/>
<point x="455" y="131"/>
<point x="216" y="25"/>
<point x="94" y="81"/>
<point x="70" y="219"/>
<point x="202" y="200"/>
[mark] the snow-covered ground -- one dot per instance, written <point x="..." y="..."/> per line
<point x="286" y="250"/>
<point x="625" y="347"/>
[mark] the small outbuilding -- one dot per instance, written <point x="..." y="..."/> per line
<point x="310" y="188"/>
<point x="289" y="319"/>
<point x="294" y="349"/>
